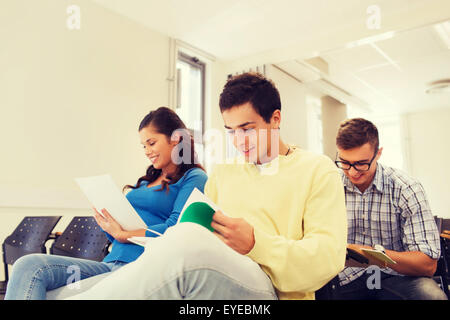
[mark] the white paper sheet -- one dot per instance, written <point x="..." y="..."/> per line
<point x="379" y="255"/>
<point x="102" y="192"/>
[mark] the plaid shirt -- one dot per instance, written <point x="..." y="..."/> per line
<point x="394" y="212"/>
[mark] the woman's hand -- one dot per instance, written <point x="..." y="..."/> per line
<point x="110" y="225"/>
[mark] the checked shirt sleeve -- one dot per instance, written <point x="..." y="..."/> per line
<point x="418" y="225"/>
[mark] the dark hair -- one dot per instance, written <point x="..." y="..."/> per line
<point x="254" y="88"/>
<point x="354" y="133"/>
<point x="165" y="121"/>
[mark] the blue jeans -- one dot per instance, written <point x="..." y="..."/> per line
<point x="35" y="274"/>
<point x="392" y="287"/>
<point x="187" y="262"/>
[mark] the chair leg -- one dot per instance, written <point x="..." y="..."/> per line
<point x="445" y="285"/>
<point x="4" y="283"/>
<point x="6" y="272"/>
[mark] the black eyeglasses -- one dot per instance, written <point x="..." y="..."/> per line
<point x="358" y="166"/>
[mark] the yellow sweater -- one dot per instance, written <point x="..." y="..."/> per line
<point x="296" y="205"/>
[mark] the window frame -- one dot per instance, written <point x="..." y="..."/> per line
<point x="196" y="63"/>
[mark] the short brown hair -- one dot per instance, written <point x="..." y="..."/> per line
<point x="354" y="133"/>
<point x="254" y="88"/>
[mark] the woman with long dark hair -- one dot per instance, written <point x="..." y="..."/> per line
<point x="158" y="197"/>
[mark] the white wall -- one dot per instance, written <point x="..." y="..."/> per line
<point x="70" y="104"/>
<point x="333" y="113"/>
<point x="218" y="81"/>
<point x="428" y="136"/>
<point x="71" y="101"/>
<point x="294" y="129"/>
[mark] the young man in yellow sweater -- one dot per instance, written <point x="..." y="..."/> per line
<point x="283" y="230"/>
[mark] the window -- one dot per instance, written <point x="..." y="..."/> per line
<point x="190" y="103"/>
<point x="389" y="134"/>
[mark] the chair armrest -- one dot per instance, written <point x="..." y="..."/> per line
<point x="445" y="234"/>
<point x="54" y="235"/>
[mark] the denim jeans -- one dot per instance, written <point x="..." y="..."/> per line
<point x="392" y="287"/>
<point x="35" y="274"/>
<point x="187" y="262"/>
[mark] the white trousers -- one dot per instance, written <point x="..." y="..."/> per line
<point x="187" y="262"/>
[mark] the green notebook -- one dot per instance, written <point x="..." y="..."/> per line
<point x="200" y="213"/>
<point x="198" y="209"/>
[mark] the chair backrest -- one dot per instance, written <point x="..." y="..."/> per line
<point x="445" y="242"/>
<point x="29" y="237"/>
<point x="438" y="223"/>
<point x="445" y="224"/>
<point x="445" y="252"/>
<point x="442" y="271"/>
<point x="82" y="238"/>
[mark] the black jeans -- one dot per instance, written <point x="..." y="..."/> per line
<point x="391" y="287"/>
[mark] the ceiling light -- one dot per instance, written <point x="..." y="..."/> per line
<point x="443" y="30"/>
<point x="369" y="40"/>
<point x="439" y="86"/>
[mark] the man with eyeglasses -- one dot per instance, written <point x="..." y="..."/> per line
<point x="387" y="210"/>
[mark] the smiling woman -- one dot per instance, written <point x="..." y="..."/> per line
<point x="158" y="139"/>
<point x="34" y="274"/>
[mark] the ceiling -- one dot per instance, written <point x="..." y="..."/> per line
<point x="236" y="28"/>
<point x="395" y="72"/>
<point x="387" y="71"/>
<point x="386" y="75"/>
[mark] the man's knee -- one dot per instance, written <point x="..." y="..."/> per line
<point x="428" y="289"/>
<point x="189" y="239"/>
<point x="416" y="288"/>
